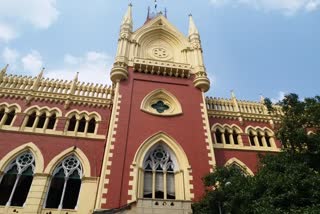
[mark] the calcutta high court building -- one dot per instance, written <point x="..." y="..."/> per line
<point x="140" y="145"/>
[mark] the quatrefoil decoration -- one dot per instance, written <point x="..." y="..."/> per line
<point x="160" y="106"/>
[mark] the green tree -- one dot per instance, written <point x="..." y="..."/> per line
<point x="287" y="182"/>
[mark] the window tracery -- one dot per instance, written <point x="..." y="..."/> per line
<point x="16" y="181"/>
<point x="159" y="174"/>
<point x="162" y="103"/>
<point x="65" y="184"/>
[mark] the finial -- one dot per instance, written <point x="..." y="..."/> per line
<point x="41" y="72"/>
<point x="233" y="95"/>
<point x="261" y="98"/>
<point x="76" y="77"/>
<point x="4" y="70"/>
<point x="192" y="27"/>
<point x="127" y="19"/>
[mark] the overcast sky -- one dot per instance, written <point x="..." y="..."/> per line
<point x="254" y="47"/>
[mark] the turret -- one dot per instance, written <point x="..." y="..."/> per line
<point x="201" y="80"/>
<point x="120" y="67"/>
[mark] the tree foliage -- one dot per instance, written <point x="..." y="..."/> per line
<point x="287" y="182"/>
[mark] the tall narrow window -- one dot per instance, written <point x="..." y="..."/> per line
<point x="268" y="140"/>
<point x="65" y="184"/>
<point x="92" y="126"/>
<point x="42" y="120"/>
<point x="72" y="123"/>
<point x="218" y="134"/>
<point x="10" y="117"/>
<point x="31" y="119"/>
<point x="52" y="121"/>
<point x="16" y="181"/>
<point x="260" y="139"/>
<point x="82" y="125"/>
<point x="1" y="114"/>
<point x="159" y="174"/>
<point x="235" y="137"/>
<point x="227" y="136"/>
<point x="251" y="138"/>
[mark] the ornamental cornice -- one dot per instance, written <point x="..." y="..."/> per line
<point x="56" y="91"/>
<point x="156" y="67"/>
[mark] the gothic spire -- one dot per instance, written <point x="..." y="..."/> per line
<point x="192" y="27"/>
<point x="127" y="19"/>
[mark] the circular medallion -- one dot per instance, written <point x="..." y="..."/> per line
<point x="159" y="52"/>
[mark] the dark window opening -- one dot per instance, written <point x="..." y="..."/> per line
<point x="7" y="184"/>
<point x="235" y="137"/>
<point x="82" y="125"/>
<point x="31" y="119"/>
<point x="227" y="137"/>
<point x="170" y="186"/>
<point x="218" y="136"/>
<point x="251" y="138"/>
<point x="52" y="121"/>
<point x="268" y="140"/>
<point x="1" y="114"/>
<point x="260" y="139"/>
<point x="72" y="191"/>
<point x="55" y="191"/>
<point x="92" y="126"/>
<point x="42" y="120"/>
<point x="160" y="107"/>
<point x="10" y="117"/>
<point x="72" y="123"/>
<point x="22" y="189"/>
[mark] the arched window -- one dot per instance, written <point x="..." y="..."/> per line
<point x="72" y="123"/>
<point x="10" y="117"/>
<point x="218" y="134"/>
<point x="159" y="174"/>
<point x="16" y="181"/>
<point x="65" y="184"/>
<point x="251" y="138"/>
<point x="227" y="136"/>
<point x="92" y="126"/>
<point x="82" y="124"/>
<point x="260" y="139"/>
<point x="235" y="137"/>
<point x="1" y="114"/>
<point x="52" y="121"/>
<point x="42" y="120"/>
<point x="31" y="119"/>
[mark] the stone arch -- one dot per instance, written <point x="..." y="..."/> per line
<point x="167" y="99"/>
<point x="72" y="150"/>
<point x="86" y="114"/>
<point x="8" y="106"/>
<point x="240" y="164"/>
<point x="39" y="161"/>
<point x="183" y="192"/>
<point x="43" y="109"/>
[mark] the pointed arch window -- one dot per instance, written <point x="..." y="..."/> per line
<point x="235" y="137"/>
<point x="92" y="125"/>
<point x="65" y="184"/>
<point x="16" y="181"/>
<point x="31" y="119"/>
<point x="72" y="123"/>
<point x="82" y="124"/>
<point x="251" y="138"/>
<point x="52" y="121"/>
<point x="42" y="120"/>
<point x="159" y="167"/>
<point x="10" y="117"/>
<point x="219" y="134"/>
